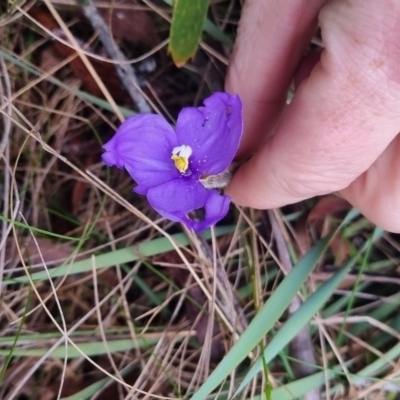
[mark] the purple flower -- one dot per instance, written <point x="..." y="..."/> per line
<point x="169" y="165"/>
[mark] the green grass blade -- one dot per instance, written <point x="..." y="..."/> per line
<point x="41" y="338"/>
<point x="89" y="391"/>
<point x="296" y="322"/>
<point x="374" y="369"/>
<point x="39" y="231"/>
<point x="303" y="315"/>
<point x="217" y="34"/>
<point x="121" y="256"/>
<point x="90" y="349"/>
<point x="380" y="364"/>
<point x="16" y="337"/>
<point x="298" y="388"/>
<point x="265" y="319"/>
<point x="292" y="390"/>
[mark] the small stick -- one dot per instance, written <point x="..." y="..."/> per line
<point x="301" y="346"/>
<point x="124" y="70"/>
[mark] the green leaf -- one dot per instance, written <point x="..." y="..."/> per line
<point x="213" y="30"/>
<point x="300" y="387"/>
<point x="303" y="315"/>
<point x="268" y="314"/>
<point x="296" y="322"/>
<point x="186" y="29"/>
<point x="90" y="349"/>
<point x="265" y="319"/>
<point x="90" y="390"/>
<point x="121" y="256"/>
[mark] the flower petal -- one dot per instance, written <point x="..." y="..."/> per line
<point x="143" y="145"/>
<point x="213" y="132"/>
<point x="175" y="199"/>
<point x="216" y="208"/>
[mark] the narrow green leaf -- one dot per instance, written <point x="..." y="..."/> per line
<point x="265" y="319"/>
<point x="300" y="387"/>
<point x="292" y="390"/>
<point x="296" y="322"/>
<point x="268" y="314"/>
<point x="186" y="29"/>
<point x="217" y="34"/>
<point x="39" y="231"/>
<point x="146" y="249"/>
<point x="380" y="364"/>
<point x="212" y="30"/>
<point x="90" y="390"/>
<point x="90" y="349"/>
<point x="41" y="338"/>
<point x="303" y="315"/>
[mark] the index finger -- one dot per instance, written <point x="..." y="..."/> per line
<point x="272" y="38"/>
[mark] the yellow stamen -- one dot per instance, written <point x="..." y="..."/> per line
<point x="181" y="163"/>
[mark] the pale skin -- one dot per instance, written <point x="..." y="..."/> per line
<point x="340" y="132"/>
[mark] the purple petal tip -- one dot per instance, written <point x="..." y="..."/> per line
<point x="109" y="159"/>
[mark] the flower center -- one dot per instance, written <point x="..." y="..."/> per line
<point x="180" y="156"/>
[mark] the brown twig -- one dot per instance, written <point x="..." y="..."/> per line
<point x="124" y="69"/>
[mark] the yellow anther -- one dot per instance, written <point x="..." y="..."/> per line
<point x="181" y="155"/>
<point x="181" y="163"/>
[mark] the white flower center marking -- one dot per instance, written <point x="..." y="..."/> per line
<point x="181" y="155"/>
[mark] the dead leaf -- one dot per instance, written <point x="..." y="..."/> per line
<point x="340" y="248"/>
<point x="106" y="71"/>
<point x="132" y="25"/>
<point x="327" y="205"/>
<point x="49" y="59"/>
<point x="44" y="249"/>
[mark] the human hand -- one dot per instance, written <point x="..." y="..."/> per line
<point x="340" y="132"/>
